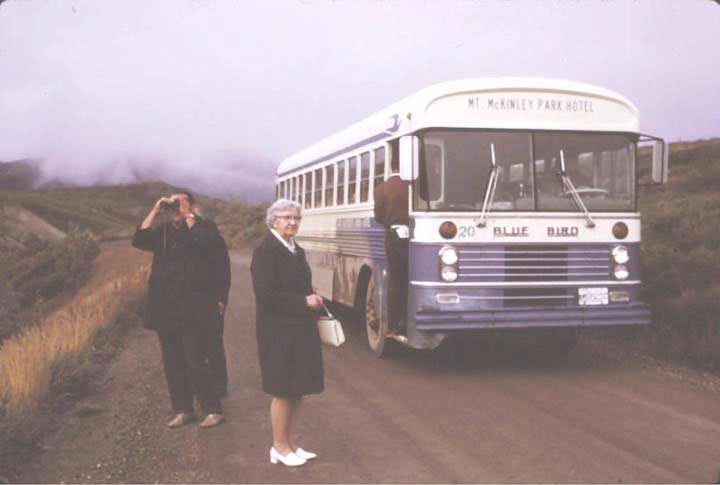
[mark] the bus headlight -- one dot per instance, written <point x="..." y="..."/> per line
<point x="448" y="255"/>
<point x="620" y="254"/>
<point x="449" y="273"/>
<point x="621" y="272"/>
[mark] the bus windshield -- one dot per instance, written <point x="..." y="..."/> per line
<point x="455" y="167"/>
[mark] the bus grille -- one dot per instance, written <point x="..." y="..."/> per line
<point x="534" y="263"/>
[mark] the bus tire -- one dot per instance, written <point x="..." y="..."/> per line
<point x="375" y="326"/>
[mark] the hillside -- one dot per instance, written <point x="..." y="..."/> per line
<point x="102" y="210"/>
<point x="251" y="177"/>
<point x="111" y="211"/>
<point x="49" y="238"/>
<point x="18" y="223"/>
<point x="19" y="175"/>
<point x="681" y="254"/>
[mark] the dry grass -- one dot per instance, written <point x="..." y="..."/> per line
<point x="28" y="360"/>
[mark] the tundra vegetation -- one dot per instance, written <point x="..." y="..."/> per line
<point x="681" y="255"/>
<point x="70" y="284"/>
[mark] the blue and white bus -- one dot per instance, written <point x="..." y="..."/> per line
<point x="523" y="209"/>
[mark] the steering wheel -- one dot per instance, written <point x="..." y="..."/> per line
<point x="461" y="206"/>
<point x="588" y="191"/>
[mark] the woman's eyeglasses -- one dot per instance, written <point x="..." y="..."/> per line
<point x="290" y="218"/>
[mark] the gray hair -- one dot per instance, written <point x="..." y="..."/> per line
<point x="280" y="205"/>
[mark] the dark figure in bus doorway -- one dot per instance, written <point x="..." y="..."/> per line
<point x="187" y="294"/>
<point x="391" y="210"/>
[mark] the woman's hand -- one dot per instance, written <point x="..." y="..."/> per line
<point x="314" y="302"/>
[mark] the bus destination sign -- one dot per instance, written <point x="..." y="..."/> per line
<point x="537" y="104"/>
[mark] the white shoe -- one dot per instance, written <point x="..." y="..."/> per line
<point x="291" y="459"/>
<point x="305" y="455"/>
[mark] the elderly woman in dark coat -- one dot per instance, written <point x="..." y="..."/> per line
<point x="287" y="335"/>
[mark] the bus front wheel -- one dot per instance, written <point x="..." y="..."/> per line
<point x="375" y="326"/>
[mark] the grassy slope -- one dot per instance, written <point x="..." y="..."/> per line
<point x="112" y="212"/>
<point x="101" y="209"/>
<point x="680" y="255"/>
<point x="37" y="277"/>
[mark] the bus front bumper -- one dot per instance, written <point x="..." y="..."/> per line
<point x="576" y="316"/>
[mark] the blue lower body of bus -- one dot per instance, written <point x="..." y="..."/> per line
<point x="429" y="321"/>
<point x="631" y="314"/>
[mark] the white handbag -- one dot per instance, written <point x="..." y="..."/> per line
<point x="331" y="332"/>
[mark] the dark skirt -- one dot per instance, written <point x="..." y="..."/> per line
<point x="290" y="360"/>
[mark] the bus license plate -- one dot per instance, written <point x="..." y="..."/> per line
<point x="593" y="296"/>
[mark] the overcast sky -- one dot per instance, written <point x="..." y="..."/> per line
<point x="233" y="87"/>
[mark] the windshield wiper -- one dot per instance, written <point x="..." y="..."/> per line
<point x="570" y="188"/>
<point x="490" y="191"/>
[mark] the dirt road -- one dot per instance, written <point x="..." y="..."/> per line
<point x="419" y="418"/>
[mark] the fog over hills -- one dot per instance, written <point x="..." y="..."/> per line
<point x="251" y="180"/>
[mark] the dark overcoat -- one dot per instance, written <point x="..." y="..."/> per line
<point x="391" y="202"/>
<point x="287" y="334"/>
<point x="190" y="267"/>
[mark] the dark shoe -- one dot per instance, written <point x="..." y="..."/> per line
<point x="180" y="419"/>
<point x="212" y="420"/>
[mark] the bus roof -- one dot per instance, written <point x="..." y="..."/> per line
<point x="414" y="113"/>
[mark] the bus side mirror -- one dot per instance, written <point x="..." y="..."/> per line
<point x="660" y="156"/>
<point x="409" y="156"/>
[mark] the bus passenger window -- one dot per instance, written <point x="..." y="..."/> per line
<point x="364" y="176"/>
<point x="318" y="188"/>
<point x="379" y="167"/>
<point x="307" y="182"/>
<point x="352" y="180"/>
<point x="329" y="185"/>
<point x="341" y="183"/>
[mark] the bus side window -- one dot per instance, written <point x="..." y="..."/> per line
<point x="318" y="188"/>
<point x="330" y="185"/>
<point x="341" y="182"/>
<point x="307" y="183"/>
<point x="379" y="167"/>
<point x="352" y="180"/>
<point x="364" y="176"/>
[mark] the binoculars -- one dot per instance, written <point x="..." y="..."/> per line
<point x="174" y="205"/>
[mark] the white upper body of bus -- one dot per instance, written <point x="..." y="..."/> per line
<point x="508" y="103"/>
<point x="554" y="147"/>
